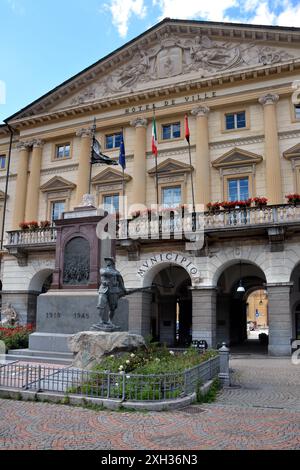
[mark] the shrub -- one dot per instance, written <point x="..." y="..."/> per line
<point x="16" y="337"/>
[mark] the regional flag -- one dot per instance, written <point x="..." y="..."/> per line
<point x="122" y="158"/>
<point x="186" y="128"/>
<point x="154" y="138"/>
<point x="98" y="157"/>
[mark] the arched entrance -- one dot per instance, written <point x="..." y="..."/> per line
<point x="237" y="286"/>
<point x="39" y="284"/>
<point x="171" y="312"/>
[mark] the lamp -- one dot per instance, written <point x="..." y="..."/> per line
<point x="240" y="288"/>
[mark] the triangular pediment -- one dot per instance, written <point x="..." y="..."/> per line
<point x="171" y="167"/>
<point x="236" y="157"/>
<point x="293" y="152"/>
<point x="110" y="175"/>
<point x="171" y="53"/>
<point x="57" y="184"/>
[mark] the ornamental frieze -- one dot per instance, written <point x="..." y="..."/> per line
<point x="173" y="56"/>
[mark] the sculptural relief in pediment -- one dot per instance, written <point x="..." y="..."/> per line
<point x="173" y="56"/>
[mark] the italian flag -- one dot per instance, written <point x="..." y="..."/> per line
<point x="154" y="138"/>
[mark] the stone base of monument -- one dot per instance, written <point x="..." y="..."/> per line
<point x="61" y="314"/>
<point x="90" y="347"/>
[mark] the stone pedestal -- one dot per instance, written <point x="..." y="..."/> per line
<point x="204" y="315"/>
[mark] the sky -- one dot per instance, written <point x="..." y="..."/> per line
<point x="44" y="42"/>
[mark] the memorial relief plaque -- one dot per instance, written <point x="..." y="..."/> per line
<point x="77" y="262"/>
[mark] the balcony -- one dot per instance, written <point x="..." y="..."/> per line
<point x="271" y="221"/>
<point x="20" y="242"/>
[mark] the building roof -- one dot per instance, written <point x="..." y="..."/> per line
<point x="234" y="31"/>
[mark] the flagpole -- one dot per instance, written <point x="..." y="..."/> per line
<point x="192" y="179"/>
<point x="187" y="136"/>
<point x="94" y="127"/>
<point x="156" y="165"/>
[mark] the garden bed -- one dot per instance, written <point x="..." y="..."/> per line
<point x="15" y="337"/>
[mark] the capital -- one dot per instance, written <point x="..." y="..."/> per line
<point x="84" y="132"/>
<point x="23" y="146"/>
<point x="269" y="98"/>
<point x="37" y="143"/>
<point x="200" y="111"/>
<point x="139" y="122"/>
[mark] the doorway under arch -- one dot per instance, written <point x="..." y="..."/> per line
<point x="236" y="284"/>
<point x="171" y="312"/>
<point x="295" y="302"/>
<point x="39" y="284"/>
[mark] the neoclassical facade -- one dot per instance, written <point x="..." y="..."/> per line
<point x="239" y="85"/>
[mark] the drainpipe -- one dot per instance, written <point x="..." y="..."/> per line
<point x="6" y="183"/>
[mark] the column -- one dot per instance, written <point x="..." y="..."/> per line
<point x="202" y="164"/>
<point x="139" y="167"/>
<point x="139" y="313"/>
<point x="272" y="154"/>
<point x="21" y="185"/>
<point x="83" y="174"/>
<point x="280" y="319"/>
<point x="33" y="189"/>
<point x="204" y="314"/>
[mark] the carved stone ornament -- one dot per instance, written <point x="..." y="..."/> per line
<point x="200" y="111"/>
<point x="173" y="55"/>
<point x="270" y="98"/>
<point x="139" y="122"/>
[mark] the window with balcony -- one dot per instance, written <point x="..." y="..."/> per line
<point x="238" y="189"/>
<point x="113" y="141"/>
<point x="57" y="209"/>
<point x="171" y="197"/>
<point x="235" y="120"/>
<point x="171" y="131"/>
<point x="62" y="151"/>
<point x="111" y="203"/>
<point x="2" y="162"/>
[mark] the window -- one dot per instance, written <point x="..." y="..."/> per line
<point x="171" y="131"/>
<point x="2" y="162"/>
<point x="110" y="202"/>
<point x="57" y="209"/>
<point x="113" y="141"/>
<point x="62" y="151"/>
<point x="171" y="197"/>
<point x="238" y="189"/>
<point x="297" y="111"/>
<point x="235" y="120"/>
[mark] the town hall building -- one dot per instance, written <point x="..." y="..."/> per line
<point x="239" y="86"/>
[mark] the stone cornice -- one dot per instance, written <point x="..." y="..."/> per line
<point x="159" y="92"/>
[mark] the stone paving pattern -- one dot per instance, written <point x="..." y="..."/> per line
<point x="263" y="413"/>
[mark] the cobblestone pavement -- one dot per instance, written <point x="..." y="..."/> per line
<point x="263" y="414"/>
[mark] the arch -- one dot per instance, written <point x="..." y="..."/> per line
<point x="235" y="262"/>
<point x="157" y="268"/>
<point x="38" y="280"/>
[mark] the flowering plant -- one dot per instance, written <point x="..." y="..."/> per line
<point x="229" y="204"/>
<point x="214" y="206"/>
<point x="45" y="224"/>
<point x="33" y="225"/>
<point x="293" y="198"/>
<point x="260" y="201"/>
<point x="24" y="226"/>
<point x="15" y="337"/>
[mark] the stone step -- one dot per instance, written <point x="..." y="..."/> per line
<point x="46" y="357"/>
<point x="31" y="352"/>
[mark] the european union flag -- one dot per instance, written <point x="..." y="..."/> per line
<point x="122" y="158"/>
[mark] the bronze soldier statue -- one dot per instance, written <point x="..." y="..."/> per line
<point x="111" y="290"/>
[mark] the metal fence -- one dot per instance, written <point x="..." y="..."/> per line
<point x="108" y="385"/>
